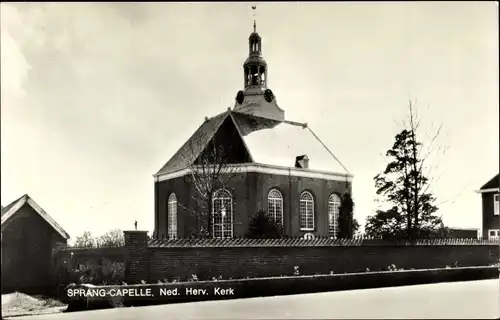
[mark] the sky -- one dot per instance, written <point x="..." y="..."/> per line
<point x="96" y="97"/>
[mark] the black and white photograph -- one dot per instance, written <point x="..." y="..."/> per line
<point x="250" y="160"/>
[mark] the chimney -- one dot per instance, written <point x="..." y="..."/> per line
<point x="302" y="162"/>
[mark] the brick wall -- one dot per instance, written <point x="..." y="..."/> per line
<point x="241" y="258"/>
<point x="136" y="260"/>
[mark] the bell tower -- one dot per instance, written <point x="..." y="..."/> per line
<point x="255" y="67"/>
<point x="256" y="98"/>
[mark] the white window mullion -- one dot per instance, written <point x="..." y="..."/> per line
<point x="496" y="205"/>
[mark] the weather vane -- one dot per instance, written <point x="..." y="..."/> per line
<point x="254" y="8"/>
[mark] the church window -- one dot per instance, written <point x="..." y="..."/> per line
<point x="222" y="214"/>
<point x="333" y="215"/>
<point x="172" y="216"/>
<point x="306" y="211"/>
<point x="275" y="206"/>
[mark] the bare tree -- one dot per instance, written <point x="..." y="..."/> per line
<point x="212" y="169"/>
<point x="86" y="240"/>
<point x="112" y="238"/>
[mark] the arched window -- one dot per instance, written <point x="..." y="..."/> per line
<point x="275" y="206"/>
<point x="333" y="215"/>
<point x="172" y="216"/>
<point x="222" y="214"/>
<point x="306" y="211"/>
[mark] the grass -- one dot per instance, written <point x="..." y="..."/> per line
<point x="20" y="304"/>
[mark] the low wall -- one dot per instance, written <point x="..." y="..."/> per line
<point x="153" y="260"/>
<point x="209" y="262"/>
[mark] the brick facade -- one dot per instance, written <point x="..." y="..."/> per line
<point x="250" y="191"/>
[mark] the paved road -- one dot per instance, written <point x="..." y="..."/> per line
<point x="459" y="300"/>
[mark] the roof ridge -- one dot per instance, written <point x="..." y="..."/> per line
<point x="191" y="136"/>
<point x="295" y="123"/>
<point x="330" y="152"/>
<point x="16" y="205"/>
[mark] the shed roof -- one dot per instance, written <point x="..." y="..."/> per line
<point x="10" y="210"/>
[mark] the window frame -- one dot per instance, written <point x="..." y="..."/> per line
<point x="172" y="230"/>
<point x="223" y="222"/>
<point x="496" y="204"/>
<point x="274" y="200"/>
<point x="334" y="203"/>
<point x="311" y="204"/>
<point x="495" y="237"/>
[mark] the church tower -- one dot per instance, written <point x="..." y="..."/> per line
<point x="256" y="98"/>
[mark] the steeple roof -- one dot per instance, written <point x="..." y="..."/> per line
<point x="267" y="138"/>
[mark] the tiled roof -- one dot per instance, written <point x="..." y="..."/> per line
<point x="14" y="207"/>
<point x="493" y="183"/>
<point x="268" y="141"/>
<point x="300" y="242"/>
<point x="194" y="145"/>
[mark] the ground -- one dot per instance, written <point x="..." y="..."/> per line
<point x="457" y="300"/>
<point x="19" y="304"/>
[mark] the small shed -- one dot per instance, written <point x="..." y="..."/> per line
<point x="29" y="239"/>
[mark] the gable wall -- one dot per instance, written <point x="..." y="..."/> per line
<point x="229" y="142"/>
<point x="490" y="221"/>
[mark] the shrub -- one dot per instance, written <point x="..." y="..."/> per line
<point x="262" y="226"/>
<point x="103" y="272"/>
<point x="193" y="277"/>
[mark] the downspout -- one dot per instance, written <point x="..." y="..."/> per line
<point x="290" y="229"/>
<point x="157" y="218"/>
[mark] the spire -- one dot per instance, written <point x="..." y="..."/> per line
<point x="255" y="66"/>
<point x="254" y="8"/>
<point x="256" y="98"/>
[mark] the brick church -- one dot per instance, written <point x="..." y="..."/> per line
<point x="246" y="159"/>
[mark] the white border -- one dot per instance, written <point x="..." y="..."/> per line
<point x="26" y="199"/>
<point x="269" y="169"/>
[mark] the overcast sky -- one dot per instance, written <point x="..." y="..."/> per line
<point x="96" y="97"/>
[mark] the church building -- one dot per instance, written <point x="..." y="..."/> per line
<point x="250" y="158"/>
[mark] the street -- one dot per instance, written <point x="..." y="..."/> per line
<point x="458" y="300"/>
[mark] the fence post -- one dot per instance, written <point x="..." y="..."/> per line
<point x="136" y="260"/>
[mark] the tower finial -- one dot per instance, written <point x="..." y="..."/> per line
<point x="254" y="8"/>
